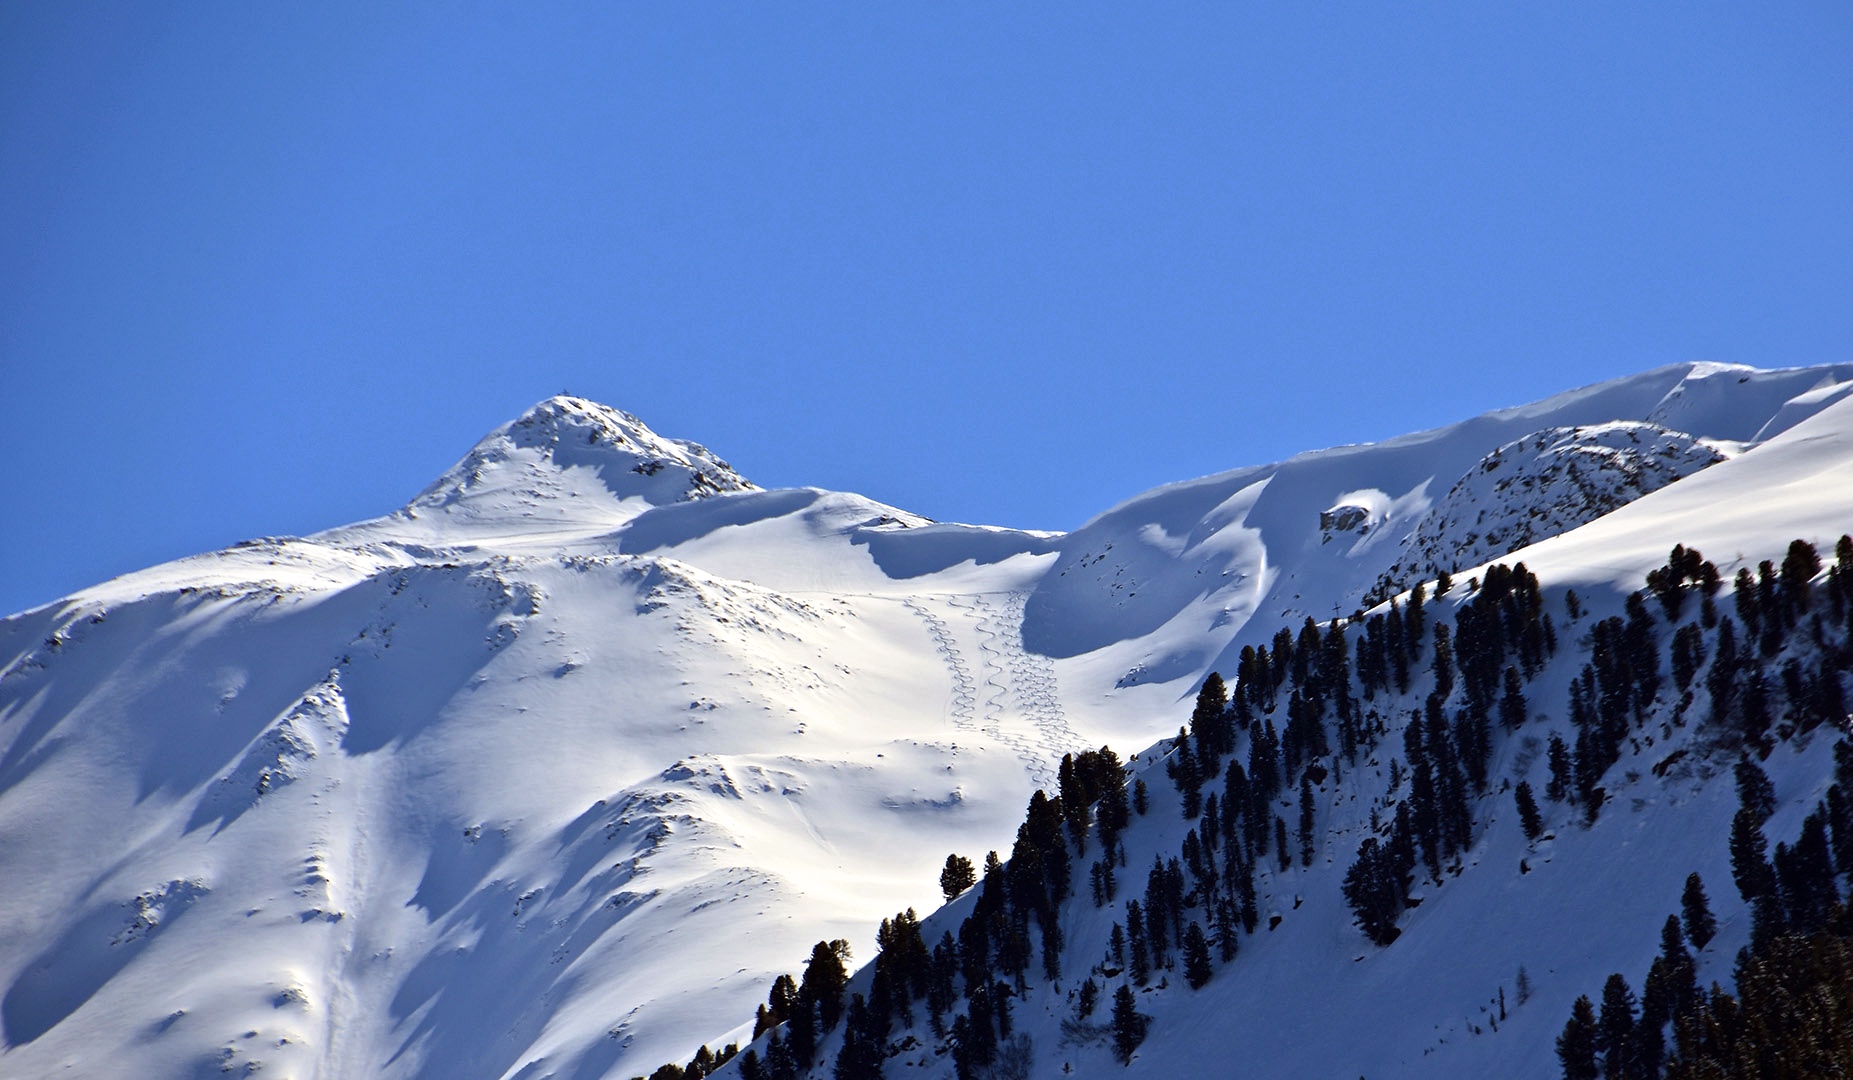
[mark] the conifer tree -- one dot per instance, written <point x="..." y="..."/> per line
<point x="1688" y="654"/>
<point x="1306" y="821"/>
<point x="1799" y="567"/>
<point x="957" y="876"/>
<point x="1754" y="791"/>
<point x="863" y="1052"/>
<point x="1413" y="619"/>
<point x="1750" y="867"/>
<point x="1674" y="957"/>
<point x="1208" y="722"/>
<point x="1114" y="810"/>
<point x="1648" y="1051"/>
<point x="825" y="976"/>
<point x="1512" y="704"/>
<point x="1576" y="1047"/>
<point x="1228" y="941"/>
<point x="1805" y="876"/>
<point x="801" y="1034"/>
<point x="1051" y="946"/>
<point x="1696" y="907"/>
<point x="1128" y="1024"/>
<point x="1141" y="967"/>
<point x="1528" y="818"/>
<point x="779" y="1005"/>
<point x="962" y="1048"/>
<point x="1560" y="785"/>
<point x="981" y="1032"/>
<point x="1840" y="824"/>
<point x="1181" y="766"/>
<point x="1444" y="660"/>
<point x="750" y="1068"/>
<point x="781" y="1064"/>
<point x="1000" y="1010"/>
<point x="1615" y="1028"/>
<point x="1197" y="970"/>
<point x="1375" y="887"/>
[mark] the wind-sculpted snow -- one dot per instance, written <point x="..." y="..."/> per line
<point x="278" y="757"/>
<point x="1547" y="483"/>
<point x="668" y="526"/>
<point x="1164" y="583"/>
<point x="551" y="771"/>
<point x="906" y="550"/>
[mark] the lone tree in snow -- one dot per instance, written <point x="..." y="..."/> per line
<point x="1528" y="818"/>
<point x="957" y="876"/>
<point x="1128" y="1024"/>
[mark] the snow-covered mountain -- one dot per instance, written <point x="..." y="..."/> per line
<point x="549" y="772"/>
<point x="1490" y="952"/>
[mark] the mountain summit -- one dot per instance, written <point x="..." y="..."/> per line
<point x="570" y="461"/>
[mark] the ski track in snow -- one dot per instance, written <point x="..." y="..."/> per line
<point x="963" y="700"/>
<point x="1013" y="700"/>
<point x="1033" y="676"/>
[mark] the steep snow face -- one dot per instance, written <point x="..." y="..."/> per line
<point x="1537" y="487"/>
<point x="476" y="787"/>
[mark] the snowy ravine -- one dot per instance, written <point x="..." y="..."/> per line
<point x="548" y="773"/>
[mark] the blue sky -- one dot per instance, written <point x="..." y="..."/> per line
<point x="268" y="268"/>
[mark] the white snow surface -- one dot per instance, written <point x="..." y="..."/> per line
<point x="549" y="772"/>
<point x="1547" y="483"/>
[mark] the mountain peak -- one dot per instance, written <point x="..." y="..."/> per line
<point x="567" y="422"/>
<point x="571" y="458"/>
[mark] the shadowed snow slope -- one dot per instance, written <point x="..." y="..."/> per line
<point x="550" y="771"/>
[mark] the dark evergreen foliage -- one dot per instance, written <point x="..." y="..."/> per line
<point x="825" y="976"/>
<point x="1695" y="906"/>
<point x="1576" y="1047"/>
<point x="1615" y="1028"/>
<point x="1128" y="1024"/>
<point x="1528" y="818"/>
<point x="1750" y="867"/>
<point x="863" y="1048"/>
<point x="1790" y="1016"/>
<point x="1306" y="821"/>
<point x="1561" y="784"/>
<point x="1754" y="791"/>
<point x="1197" y="969"/>
<point x="957" y="876"/>
<point x="1376" y="887"/>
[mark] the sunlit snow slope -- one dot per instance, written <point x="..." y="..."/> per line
<point x="1309" y="995"/>
<point x="549" y="772"/>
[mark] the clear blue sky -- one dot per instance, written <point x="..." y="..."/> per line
<point x="268" y="268"/>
